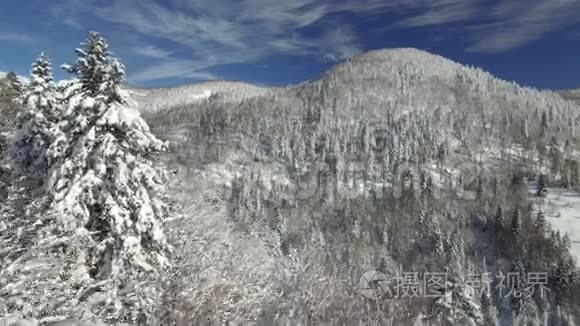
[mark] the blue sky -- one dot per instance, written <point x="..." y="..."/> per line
<point x="280" y="42"/>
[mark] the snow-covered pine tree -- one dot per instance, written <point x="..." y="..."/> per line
<point x="105" y="189"/>
<point x="98" y="72"/>
<point x="457" y="306"/>
<point x="540" y="222"/>
<point x="516" y="225"/>
<point x="543" y="125"/>
<point x="10" y="98"/>
<point x="555" y="157"/>
<point x="564" y="279"/>
<point x="429" y="187"/>
<point x="455" y="254"/>
<point x="489" y="311"/>
<point x="498" y="228"/>
<point x="38" y="118"/>
<point x="428" y="226"/>
<point x="15" y="83"/>
<point x="522" y="305"/>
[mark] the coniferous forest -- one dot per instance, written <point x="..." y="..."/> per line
<point x="271" y="205"/>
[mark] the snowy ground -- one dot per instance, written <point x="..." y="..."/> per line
<point x="562" y="210"/>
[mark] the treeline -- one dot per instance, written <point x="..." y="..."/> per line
<point x="387" y="185"/>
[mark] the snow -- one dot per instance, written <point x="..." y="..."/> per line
<point x="160" y="98"/>
<point x="562" y="210"/>
<point x="571" y="94"/>
<point x="204" y="95"/>
<point x="22" y="79"/>
<point x="396" y="67"/>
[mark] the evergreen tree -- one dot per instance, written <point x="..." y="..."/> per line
<point x="458" y="306"/>
<point x="423" y="184"/>
<point x="521" y="302"/>
<point x="566" y="243"/>
<point x="428" y="190"/>
<point x="100" y="74"/>
<point x="544" y="125"/>
<point x="479" y="188"/>
<point x="439" y="242"/>
<point x="498" y="220"/>
<point x="38" y="119"/>
<point x="495" y="188"/>
<point x="498" y="231"/>
<point x="428" y="226"/>
<point x="564" y="278"/>
<point x="455" y="254"/>
<point x="555" y="157"/>
<point x="15" y="83"/>
<point x="540" y="222"/>
<point x="541" y="190"/>
<point x="489" y="310"/>
<point x="104" y="187"/>
<point x="516" y="226"/>
<point x="10" y="98"/>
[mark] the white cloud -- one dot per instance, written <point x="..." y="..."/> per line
<point x="494" y="27"/>
<point x="16" y="38"/>
<point x="151" y="51"/>
<point x="221" y="32"/>
<point x="201" y="75"/>
<point x="171" y="69"/>
<point x="440" y="12"/>
<point x="518" y="22"/>
<point x="68" y="11"/>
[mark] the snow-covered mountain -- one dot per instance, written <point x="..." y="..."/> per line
<point x="415" y="79"/>
<point x="571" y="94"/>
<point x="156" y="98"/>
<point x="394" y="160"/>
<point x="406" y="77"/>
<point x="394" y="81"/>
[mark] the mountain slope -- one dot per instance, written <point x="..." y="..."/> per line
<point x="572" y="94"/>
<point x="8" y="109"/>
<point x="154" y="99"/>
<point x="417" y="79"/>
<point x="393" y="160"/>
<point x="397" y="161"/>
<point x="467" y="108"/>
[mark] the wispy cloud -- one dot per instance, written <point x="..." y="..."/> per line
<point x="68" y="11"/>
<point x="518" y="22"/>
<point x="494" y="26"/>
<point x="202" y="75"/>
<point x="221" y="32"/>
<point x="171" y="69"/>
<point x="16" y="38"/>
<point x="440" y="12"/>
<point x="151" y="51"/>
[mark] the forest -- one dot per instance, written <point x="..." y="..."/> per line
<point x="271" y="207"/>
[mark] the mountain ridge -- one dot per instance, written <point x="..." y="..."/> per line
<point x="570" y="94"/>
<point x="387" y="66"/>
